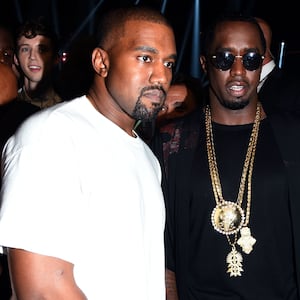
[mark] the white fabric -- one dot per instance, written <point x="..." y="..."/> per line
<point x="265" y="71"/>
<point x="79" y="188"/>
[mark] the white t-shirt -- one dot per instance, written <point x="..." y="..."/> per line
<point x="78" y="187"/>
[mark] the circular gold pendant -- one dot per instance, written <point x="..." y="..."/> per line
<point x="227" y="217"/>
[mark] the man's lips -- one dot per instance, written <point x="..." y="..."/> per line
<point x="237" y="89"/>
<point x="34" y="68"/>
<point x="155" y="95"/>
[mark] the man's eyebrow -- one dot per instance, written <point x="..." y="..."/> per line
<point x="153" y="50"/>
<point x="146" y="48"/>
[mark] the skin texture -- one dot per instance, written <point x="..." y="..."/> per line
<point x="134" y="76"/>
<point x="179" y="102"/>
<point x="36" y="59"/>
<point x="41" y="277"/>
<point x="131" y="79"/>
<point x="171" y="288"/>
<point x="8" y="84"/>
<point x="6" y="47"/>
<point x="232" y="93"/>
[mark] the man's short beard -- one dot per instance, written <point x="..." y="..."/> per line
<point x="235" y="105"/>
<point x="141" y="112"/>
<point x="231" y="104"/>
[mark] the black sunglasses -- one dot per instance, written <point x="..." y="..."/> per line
<point x="224" y="60"/>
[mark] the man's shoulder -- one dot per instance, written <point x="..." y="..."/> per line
<point x="50" y="119"/>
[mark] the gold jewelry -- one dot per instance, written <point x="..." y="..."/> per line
<point x="229" y="217"/>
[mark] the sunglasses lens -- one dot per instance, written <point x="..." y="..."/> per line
<point x="252" y="61"/>
<point x="223" y="60"/>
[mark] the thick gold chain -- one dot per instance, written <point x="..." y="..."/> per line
<point x="229" y="217"/>
<point x="248" y="164"/>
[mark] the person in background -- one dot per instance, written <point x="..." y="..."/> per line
<point x="6" y="45"/>
<point x="8" y="84"/>
<point x="36" y="58"/>
<point x="269" y="60"/>
<point x="83" y="214"/>
<point x="232" y="188"/>
<point x="12" y="114"/>
<point x="278" y="89"/>
<point x="184" y="96"/>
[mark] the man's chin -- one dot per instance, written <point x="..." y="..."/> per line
<point x="236" y="104"/>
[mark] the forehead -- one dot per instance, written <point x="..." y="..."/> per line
<point x="37" y="40"/>
<point x="237" y="35"/>
<point x="149" y="33"/>
<point x="177" y="90"/>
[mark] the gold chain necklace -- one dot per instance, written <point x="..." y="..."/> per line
<point x="229" y="217"/>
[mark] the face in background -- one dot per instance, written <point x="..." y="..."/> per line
<point x="8" y="84"/>
<point x="35" y="58"/>
<point x="140" y="68"/>
<point x="180" y="101"/>
<point x="236" y="87"/>
<point x="6" y="47"/>
<point x="266" y="29"/>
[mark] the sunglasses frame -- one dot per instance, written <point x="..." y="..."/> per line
<point x="231" y="59"/>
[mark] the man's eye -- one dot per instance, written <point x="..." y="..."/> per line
<point x="169" y="64"/>
<point x="144" y="58"/>
<point x="24" y="49"/>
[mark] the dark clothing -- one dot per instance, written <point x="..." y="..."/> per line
<point x="280" y="93"/>
<point x="12" y="115"/>
<point x="194" y="250"/>
<point x="5" y="289"/>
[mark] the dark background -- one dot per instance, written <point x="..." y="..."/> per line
<point x="74" y="18"/>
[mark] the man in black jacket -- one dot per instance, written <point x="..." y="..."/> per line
<point x="278" y="89"/>
<point x="232" y="182"/>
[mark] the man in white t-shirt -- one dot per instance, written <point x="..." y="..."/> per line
<point x="82" y="213"/>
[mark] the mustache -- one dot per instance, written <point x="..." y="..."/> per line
<point x="154" y="87"/>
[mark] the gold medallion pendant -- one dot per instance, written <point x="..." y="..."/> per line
<point x="229" y="218"/>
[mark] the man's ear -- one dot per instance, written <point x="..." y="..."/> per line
<point x="203" y="63"/>
<point x="100" y="61"/>
<point x="16" y="61"/>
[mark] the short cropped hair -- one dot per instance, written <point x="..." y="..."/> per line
<point x="111" y="25"/>
<point x="210" y="33"/>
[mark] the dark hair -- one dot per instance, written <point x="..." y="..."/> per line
<point x="111" y="24"/>
<point x="40" y="26"/>
<point x="208" y="36"/>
